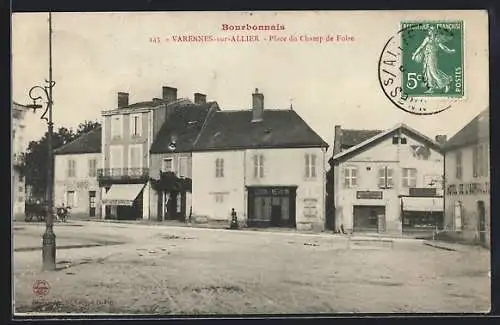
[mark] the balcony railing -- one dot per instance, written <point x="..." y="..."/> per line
<point x="122" y="173"/>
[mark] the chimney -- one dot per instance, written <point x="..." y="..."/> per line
<point x="169" y="94"/>
<point x="441" y="139"/>
<point x="122" y="100"/>
<point x="257" y="106"/>
<point x="200" y="98"/>
<point x="337" y="141"/>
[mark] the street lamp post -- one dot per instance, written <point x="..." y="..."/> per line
<point x="49" y="237"/>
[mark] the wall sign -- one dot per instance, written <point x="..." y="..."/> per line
<point x="118" y="202"/>
<point x="468" y="188"/>
<point x="310" y="207"/>
<point x="272" y="191"/>
<point x="370" y="195"/>
<point x="423" y="191"/>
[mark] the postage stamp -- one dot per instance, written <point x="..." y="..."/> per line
<point x="433" y="62"/>
<point x="421" y="67"/>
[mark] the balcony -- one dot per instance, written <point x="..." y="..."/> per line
<point x="122" y="175"/>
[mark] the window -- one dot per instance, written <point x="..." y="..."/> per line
<point x="310" y="165"/>
<point x="92" y="167"/>
<point x="258" y="166"/>
<point x="458" y="165"/>
<point x="183" y="167"/>
<point x="219" y="197"/>
<point x="135" y="124"/>
<point x="167" y="165"/>
<point x="480" y="160"/>
<point x="71" y="168"/>
<point x="116" y="126"/>
<point x="70" y="199"/>
<point x="403" y="140"/>
<point x="409" y="177"/>
<point x="135" y="156"/>
<point x="219" y="167"/>
<point x="385" y="177"/>
<point x="350" y="177"/>
<point x="116" y="161"/>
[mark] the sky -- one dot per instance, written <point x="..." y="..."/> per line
<point x="96" y="55"/>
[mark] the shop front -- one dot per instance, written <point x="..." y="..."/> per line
<point x="270" y="206"/>
<point x="124" y="201"/>
<point x="421" y="216"/>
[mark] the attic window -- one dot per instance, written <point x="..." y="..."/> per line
<point x="403" y="140"/>
<point x="172" y="146"/>
<point x="395" y="140"/>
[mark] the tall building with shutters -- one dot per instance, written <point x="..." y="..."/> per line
<point x="140" y="143"/>
<point x="468" y="182"/>
<point x="386" y="181"/>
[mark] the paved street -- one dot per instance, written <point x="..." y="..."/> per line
<point x="175" y="270"/>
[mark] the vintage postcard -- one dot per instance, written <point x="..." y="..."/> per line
<point x="250" y="163"/>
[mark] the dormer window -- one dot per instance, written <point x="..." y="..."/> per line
<point x="173" y="143"/>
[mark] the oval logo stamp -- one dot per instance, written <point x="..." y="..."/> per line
<point x="421" y="68"/>
<point x="41" y="288"/>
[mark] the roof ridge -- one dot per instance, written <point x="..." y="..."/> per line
<point x="381" y="135"/>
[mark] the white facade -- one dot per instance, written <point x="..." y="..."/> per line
<point x="466" y="190"/>
<point x="215" y="194"/>
<point x="380" y="175"/>
<point x="18" y="185"/>
<point x="75" y="183"/>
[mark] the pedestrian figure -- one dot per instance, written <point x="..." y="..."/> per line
<point x="234" y="219"/>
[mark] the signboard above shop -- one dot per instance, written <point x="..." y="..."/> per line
<point x="369" y="195"/>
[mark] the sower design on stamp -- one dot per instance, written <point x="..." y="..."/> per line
<point x="433" y="58"/>
<point x="421" y="67"/>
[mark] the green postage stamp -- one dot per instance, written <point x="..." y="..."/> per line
<point x="433" y="59"/>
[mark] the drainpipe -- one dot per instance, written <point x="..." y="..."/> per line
<point x="245" y="193"/>
<point x="323" y="183"/>
<point x="444" y="190"/>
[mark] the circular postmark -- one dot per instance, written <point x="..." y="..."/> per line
<point x="413" y="73"/>
<point x="41" y="288"/>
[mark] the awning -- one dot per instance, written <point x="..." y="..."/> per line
<point x="423" y="204"/>
<point x="122" y="194"/>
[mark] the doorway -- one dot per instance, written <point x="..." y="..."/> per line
<point x="369" y="218"/>
<point x="92" y="203"/>
<point x="481" y="211"/>
<point x="271" y="206"/>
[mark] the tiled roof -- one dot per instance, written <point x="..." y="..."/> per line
<point x="350" y="138"/>
<point x="89" y="142"/>
<point x="182" y="126"/>
<point x="278" y="129"/>
<point x="476" y="130"/>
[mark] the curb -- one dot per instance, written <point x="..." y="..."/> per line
<point x="440" y="247"/>
<point x="32" y="249"/>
